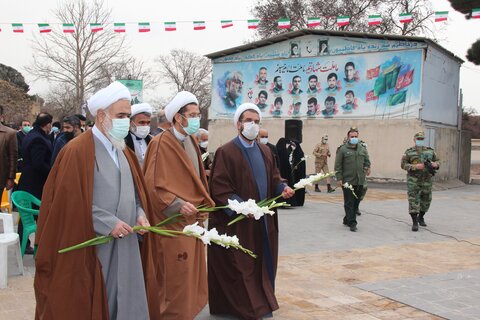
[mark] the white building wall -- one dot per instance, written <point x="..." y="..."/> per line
<point x="440" y="88"/>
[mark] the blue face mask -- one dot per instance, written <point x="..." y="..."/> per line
<point x="120" y="128"/>
<point x="54" y="130"/>
<point x="420" y="143"/>
<point x="353" y="140"/>
<point x="193" y="126"/>
<point x="26" y="129"/>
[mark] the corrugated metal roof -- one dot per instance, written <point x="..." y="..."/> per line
<point x="298" y="33"/>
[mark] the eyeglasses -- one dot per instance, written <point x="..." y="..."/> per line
<point x="192" y="116"/>
<point x="263" y="136"/>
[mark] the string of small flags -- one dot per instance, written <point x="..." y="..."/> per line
<point x="120" y="27"/>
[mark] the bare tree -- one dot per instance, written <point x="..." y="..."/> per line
<point x="185" y="70"/>
<point x="75" y="59"/>
<point x="298" y="11"/>
<point x="60" y="101"/>
<point x="126" y="68"/>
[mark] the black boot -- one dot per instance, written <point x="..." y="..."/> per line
<point x="317" y="189"/>
<point x="414" y="221"/>
<point x="329" y="188"/>
<point x="421" y="221"/>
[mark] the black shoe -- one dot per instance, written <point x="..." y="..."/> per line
<point x="414" y="221"/>
<point x="29" y="250"/>
<point x="318" y="190"/>
<point x="329" y="189"/>
<point x="353" y="228"/>
<point x="421" y="220"/>
<point x="358" y="213"/>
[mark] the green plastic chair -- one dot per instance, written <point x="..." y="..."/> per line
<point x="24" y="201"/>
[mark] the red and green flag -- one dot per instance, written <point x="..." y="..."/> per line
<point x="68" y="28"/>
<point x="198" y="25"/>
<point x="144" y="27"/>
<point x="313" y="22"/>
<point x="476" y="13"/>
<point x="343" y="21"/>
<point x="284" y="23"/>
<point x="17" y="27"/>
<point x="226" y="24"/>
<point x="170" y="26"/>
<point x="374" y="19"/>
<point x="253" y="24"/>
<point x="119" y="27"/>
<point x="96" y="27"/>
<point x="441" y="16"/>
<point x="44" y="28"/>
<point x="406" y="17"/>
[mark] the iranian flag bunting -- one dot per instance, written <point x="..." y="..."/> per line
<point x="68" y="28"/>
<point x="226" y="24"/>
<point x="198" y="25"/>
<point x="406" y="18"/>
<point x="170" y="26"/>
<point x="119" y="27"/>
<point x="44" y="28"/>
<point x="253" y="24"/>
<point x="441" y="16"/>
<point x="313" y="22"/>
<point x="96" y="27"/>
<point x="284" y="24"/>
<point x="476" y="13"/>
<point x="17" y="27"/>
<point x="144" y="27"/>
<point x="343" y="21"/>
<point x="374" y="20"/>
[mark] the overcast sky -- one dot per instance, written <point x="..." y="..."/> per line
<point x="15" y="49"/>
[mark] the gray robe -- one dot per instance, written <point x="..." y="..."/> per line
<point x="114" y="199"/>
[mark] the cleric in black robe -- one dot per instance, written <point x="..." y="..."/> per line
<point x="292" y="167"/>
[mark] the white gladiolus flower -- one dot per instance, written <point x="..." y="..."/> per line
<point x="194" y="229"/>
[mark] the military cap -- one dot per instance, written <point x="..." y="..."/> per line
<point x="419" y="134"/>
<point x="353" y="129"/>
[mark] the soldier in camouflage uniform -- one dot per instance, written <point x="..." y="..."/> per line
<point x="352" y="165"/>
<point x="321" y="153"/>
<point x="419" y="179"/>
<point x="365" y="186"/>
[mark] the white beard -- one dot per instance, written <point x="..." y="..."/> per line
<point x="117" y="144"/>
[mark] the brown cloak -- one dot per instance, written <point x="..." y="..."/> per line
<point x="238" y="284"/>
<point x="175" y="268"/>
<point x="71" y="285"/>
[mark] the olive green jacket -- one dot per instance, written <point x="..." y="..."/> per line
<point x="352" y="163"/>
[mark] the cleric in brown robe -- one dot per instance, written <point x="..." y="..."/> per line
<point x="175" y="177"/>
<point x="242" y="169"/>
<point x="93" y="189"/>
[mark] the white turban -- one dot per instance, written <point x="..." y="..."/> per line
<point x="244" y="107"/>
<point x="103" y="98"/>
<point x="141" y="108"/>
<point x="179" y="101"/>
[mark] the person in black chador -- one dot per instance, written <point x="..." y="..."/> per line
<point x="292" y="167"/>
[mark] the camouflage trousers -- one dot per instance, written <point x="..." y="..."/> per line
<point x="419" y="194"/>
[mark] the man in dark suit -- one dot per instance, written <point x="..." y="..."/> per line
<point x="37" y="153"/>
<point x="263" y="138"/>
<point x="25" y="128"/>
<point x="139" y="136"/>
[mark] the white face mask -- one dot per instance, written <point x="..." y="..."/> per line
<point x="142" y="131"/>
<point x="250" y="130"/>
<point x="203" y="144"/>
<point x="264" y="140"/>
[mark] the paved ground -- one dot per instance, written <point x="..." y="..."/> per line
<point x="383" y="271"/>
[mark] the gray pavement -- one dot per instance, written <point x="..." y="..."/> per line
<point x="328" y="272"/>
